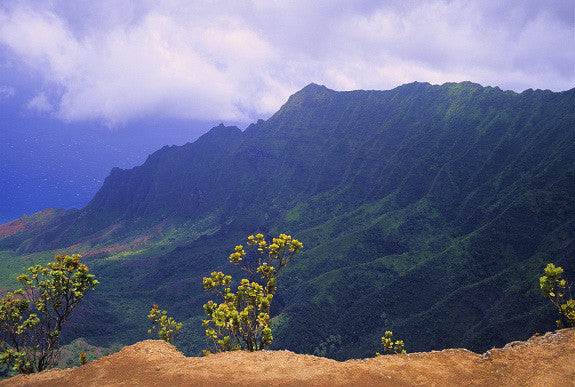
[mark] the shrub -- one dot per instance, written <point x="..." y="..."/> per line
<point x="242" y="320"/>
<point x="390" y="346"/>
<point x="32" y="318"/>
<point x="83" y="358"/>
<point x="165" y="327"/>
<point x="328" y="347"/>
<point x="559" y="293"/>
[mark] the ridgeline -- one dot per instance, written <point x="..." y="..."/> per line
<point x="426" y="210"/>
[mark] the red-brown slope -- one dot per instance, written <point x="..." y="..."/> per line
<point x="30" y="223"/>
<point x="542" y="360"/>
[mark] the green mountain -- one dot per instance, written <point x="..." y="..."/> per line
<point x="427" y="210"/>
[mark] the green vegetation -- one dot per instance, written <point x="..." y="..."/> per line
<point x="32" y="318"/>
<point x="390" y="346"/>
<point x="559" y="293"/>
<point x="430" y="210"/>
<point x="12" y="265"/>
<point x="242" y="319"/>
<point x="71" y="354"/>
<point x="166" y="328"/>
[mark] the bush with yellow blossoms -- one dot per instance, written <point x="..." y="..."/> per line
<point x="389" y="345"/>
<point x="166" y="328"/>
<point x="241" y="319"/>
<point x="559" y="293"/>
<point x="32" y="318"/>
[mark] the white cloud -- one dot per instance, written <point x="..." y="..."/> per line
<point x="442" y="42"/>
<point x="162" y="65"/>
<point x="118" y="60"/>
<point x="40" y="103"/>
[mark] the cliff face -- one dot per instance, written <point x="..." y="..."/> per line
<point x="467" y="151"/>
<point x="543" y="360"/>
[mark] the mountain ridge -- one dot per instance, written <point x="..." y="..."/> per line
<point x="413" y="204"/>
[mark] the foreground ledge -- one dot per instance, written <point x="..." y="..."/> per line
<point x="542" y="360"/>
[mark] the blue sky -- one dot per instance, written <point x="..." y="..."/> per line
<point x="116" y="61"/>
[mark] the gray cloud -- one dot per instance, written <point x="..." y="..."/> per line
<point x="118" y="60"/>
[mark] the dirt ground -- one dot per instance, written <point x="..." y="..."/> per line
<point x="546" y="360"/>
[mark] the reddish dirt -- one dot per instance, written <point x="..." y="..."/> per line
<point x="547" y="360"/>
<point x="26" y="223"/>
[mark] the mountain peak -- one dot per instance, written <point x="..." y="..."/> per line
<point x="309" y="96"/>
<point x="314" y="91"/>
<point x="224" y="130"/>
<point x="219" y="133"/>
<point x="314" y="87"/>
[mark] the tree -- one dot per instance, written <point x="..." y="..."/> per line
<point x="242" y="320"/>
<point x="559" y="293"/>
<point x="165" y="327"/>
<point x="390" y="346"/>
<point x="32" y="318"/>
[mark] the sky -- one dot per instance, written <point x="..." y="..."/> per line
<point x="115" y="61"/>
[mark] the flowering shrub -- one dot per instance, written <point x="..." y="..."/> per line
<point x="559" y="293"/>
<point x="389" y="345"/>
<point x="165" y="327"/>
<point x="30" y="338"/>
<point x="241" y="320"/>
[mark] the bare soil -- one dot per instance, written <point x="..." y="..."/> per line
<point x="543" y="360"/>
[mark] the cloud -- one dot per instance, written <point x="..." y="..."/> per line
<point x="440" y="41"/>
<point x="6" y="92"/>
<point x="40" y="103"/>
<point x="238" y="61"/>
<point x="161" y="65"/>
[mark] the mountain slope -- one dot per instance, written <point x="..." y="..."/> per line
<point x="426" y="210"/>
